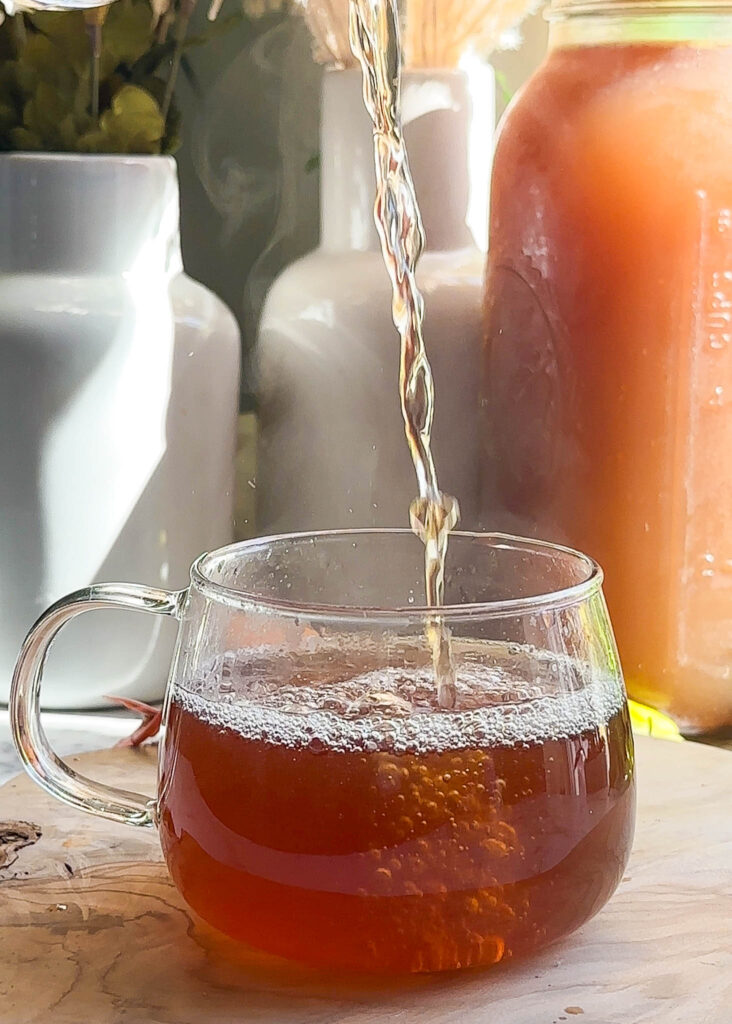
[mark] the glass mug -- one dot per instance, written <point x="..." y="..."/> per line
<point x="316" y="802"/>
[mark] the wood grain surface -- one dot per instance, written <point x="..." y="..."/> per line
<point x="92" y="930"/>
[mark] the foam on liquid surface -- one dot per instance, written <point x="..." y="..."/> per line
<point x="344" y="700"/>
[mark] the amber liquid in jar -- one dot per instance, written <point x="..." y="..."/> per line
<point x="337" y="815"/>
<point x="608" y="364"/>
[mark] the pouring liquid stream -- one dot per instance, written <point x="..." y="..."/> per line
<point x="375" y="41"/>
<point x="374" y="36"/>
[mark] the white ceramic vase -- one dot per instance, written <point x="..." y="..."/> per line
<point x="332" y="451"/>
<point x="118" y="403"/>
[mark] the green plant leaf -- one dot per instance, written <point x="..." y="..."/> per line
<point x="43" y="113"/>
<point x="24" y="140"/>
<point x="68" y="133"/>
<point x="7" y="74"/>
<point x="155" y="86"/>
<point x="11" y="97"/>
<point x="65" y="30"/>
<point x="94" y="142"/>
<point x="42" y="61"/>
<point x="8" y="41"/>
<point x="134" y="122"/>
<point x="152" y="60"/>
<point x="8" y="116"/>
<point x="171" y="143"/>
<point x="109" y="87"/>
<point x="45" y="76"/>
<point x="39" y="56"/>
<point x="127" y="32"/>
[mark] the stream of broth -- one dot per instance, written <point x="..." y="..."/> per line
<point x="375" y="41"/>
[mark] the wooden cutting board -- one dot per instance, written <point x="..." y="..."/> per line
<point x="92" y="930"/>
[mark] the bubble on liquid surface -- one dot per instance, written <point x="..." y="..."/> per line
<point x="343" y="698"/>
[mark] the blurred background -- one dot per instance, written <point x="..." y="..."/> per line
<point x="248" y="162"/>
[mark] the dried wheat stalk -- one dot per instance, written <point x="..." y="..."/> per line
<point x="438" y="32"/>
<point x="328" y="23"/>
<point x="435" y="33"/>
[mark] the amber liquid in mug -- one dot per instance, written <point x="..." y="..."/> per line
<point x="326" y="809"/>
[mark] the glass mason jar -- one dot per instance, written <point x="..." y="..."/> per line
<point x="607" y="388"/>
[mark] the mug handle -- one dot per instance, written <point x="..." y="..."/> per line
<point x="31" y="742"/>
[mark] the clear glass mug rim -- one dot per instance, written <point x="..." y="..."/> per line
<point x="121" y="805"/>
<point x="559" y="597"/>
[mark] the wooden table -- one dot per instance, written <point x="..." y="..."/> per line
<point x="92" y="930"/>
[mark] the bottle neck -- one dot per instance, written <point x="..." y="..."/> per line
<point x="448" y="119"/>
<point x="629" y="22"/>
<point x="88" y="215"/>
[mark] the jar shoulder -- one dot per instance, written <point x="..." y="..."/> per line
<point x="198" y="308"/>
<point x="652" y="102"/>
<point x="347" y="279"/>
<point x="55" y="302"/>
